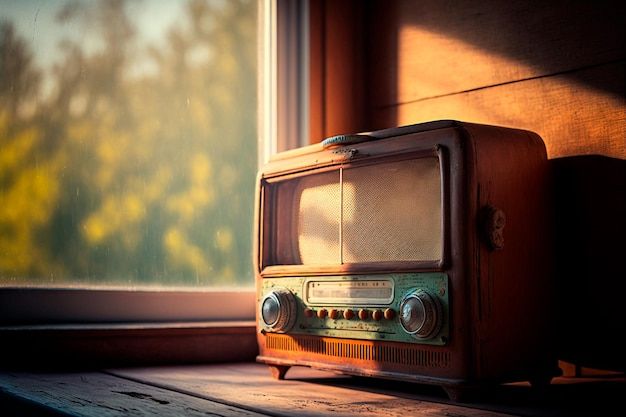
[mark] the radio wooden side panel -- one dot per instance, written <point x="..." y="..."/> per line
<point x="513" y="284"/>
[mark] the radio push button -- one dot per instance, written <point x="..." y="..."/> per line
<point x="364" y="314"/>
<point x="348" y="314"/>
<point x="322" y="313"/>
<point x="308" y="312"/>
<point x="390" y="314"/>
<point x="377" y="315"/>
<point x="333" y="314"/>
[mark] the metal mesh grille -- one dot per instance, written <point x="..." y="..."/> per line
<point x="408" y="355"/>
<point x="319" y="215"/>
<point x="392" y="212"/>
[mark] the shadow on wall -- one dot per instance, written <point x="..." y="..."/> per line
<point x="556" y="37"/>
<point x="590" y="222"/>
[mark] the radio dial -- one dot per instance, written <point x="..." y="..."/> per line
<point x="420" y="314"/>
<point x="278" y="310"/>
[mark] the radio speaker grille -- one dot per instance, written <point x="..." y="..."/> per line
<point x="386" y="212"/>
<point x="392" y="212"/>
<point x="410" y="356"/>
<point x="319" y="219"/>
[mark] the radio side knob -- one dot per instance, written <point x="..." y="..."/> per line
<point x="421" y="314"/>
<point x="278" y="310"/>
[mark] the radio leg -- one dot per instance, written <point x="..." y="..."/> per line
<point x="278" y="371"/>
<point x="459" y="394"/>
<point x="541" y="384"/>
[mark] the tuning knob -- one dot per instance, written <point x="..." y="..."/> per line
<point x="278" y="310"/>
<point x="421" y="314"/>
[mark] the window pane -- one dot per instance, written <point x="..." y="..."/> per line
<point x="127" y="142"/>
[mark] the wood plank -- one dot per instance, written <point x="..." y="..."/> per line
<point x="55" y="346"/>
<point x="433" y="47"/>
<point x="97" y="394"/>
<point x="344" y="71"/>
<point x="317" y="73"/>
<point x="317" y="393"/>
<point x="338" y="100"/>
<point x="305" y="392"/>
<point x="571" y="116"/>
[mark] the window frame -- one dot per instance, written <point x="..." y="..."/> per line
<point x="31" y="310"/>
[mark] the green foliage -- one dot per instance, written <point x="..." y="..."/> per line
<point x="120" y="178"/>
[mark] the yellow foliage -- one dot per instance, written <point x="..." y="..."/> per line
<point x="28" y="194"/>
<point x="183" y="253"/>
<point x="200" y="168"/>
<point x="95" y="229"/>
<point x="139" y="178"/>
<point x="16" y="149"/>
<point x="224" y="239"/>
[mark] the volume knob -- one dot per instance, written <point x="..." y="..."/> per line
<point x="278" y="310"/>
<point x="420" y="314"/>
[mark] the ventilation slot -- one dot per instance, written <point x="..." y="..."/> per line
<point x="409" y="355"/>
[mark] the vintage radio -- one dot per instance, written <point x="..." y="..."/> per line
<point x="417" y="253"/>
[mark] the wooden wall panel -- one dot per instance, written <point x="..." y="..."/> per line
<point x="317" y="71"/>
<point x="556" y="68"/>
<point x="338" y="100"/>
<point x="572" y="118"/>
<point x="436" y="47"/>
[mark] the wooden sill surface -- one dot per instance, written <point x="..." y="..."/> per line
<point x="246" y="389"/>
<point x="68" y="347"/>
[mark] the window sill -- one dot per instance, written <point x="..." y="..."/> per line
<point x="59" y="305"/>
<point x="89" y="346"/>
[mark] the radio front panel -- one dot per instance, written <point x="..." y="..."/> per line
<point x="420" y="253"/>
<point x="411" y="307"/>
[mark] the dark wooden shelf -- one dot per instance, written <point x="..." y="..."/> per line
<point x="246" y="389"/>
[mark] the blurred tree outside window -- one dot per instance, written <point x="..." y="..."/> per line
<point x="127" y="142"/>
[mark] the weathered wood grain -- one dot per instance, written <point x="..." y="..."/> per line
<point x="248" y="390"/>
<point x="98" y="394"/>
<point x="571" y="117"/>
<point x="304" y="392"/>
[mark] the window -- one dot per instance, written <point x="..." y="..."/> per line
<point x="128" y="136"/>
<point x="129" y="143"/>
